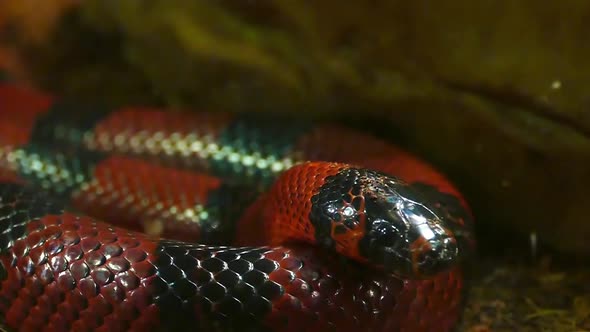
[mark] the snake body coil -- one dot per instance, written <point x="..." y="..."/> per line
<point x="218" y="222"/>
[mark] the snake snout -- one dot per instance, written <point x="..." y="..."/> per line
<point x="410" y="239"/>
<point x="432" y="246"/>
<point x="419" y="258"/>
<point x="434" y="256"/>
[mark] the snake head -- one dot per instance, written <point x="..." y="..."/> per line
<point x="404" y="229"/>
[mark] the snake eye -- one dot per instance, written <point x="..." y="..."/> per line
<point x="384" y="233"/>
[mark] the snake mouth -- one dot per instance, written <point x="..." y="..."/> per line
<point x="420" y="259"/>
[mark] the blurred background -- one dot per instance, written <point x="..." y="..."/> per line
<point x="494" y="93"/>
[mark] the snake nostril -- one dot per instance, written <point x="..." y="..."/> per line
<point x="440" y="256"/>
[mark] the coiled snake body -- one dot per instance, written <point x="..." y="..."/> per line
<point x="218" y="222"/>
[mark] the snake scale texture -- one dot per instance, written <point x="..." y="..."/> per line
<point x="140" y="219"/>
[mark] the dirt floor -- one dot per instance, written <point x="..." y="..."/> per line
<point x="516" y="291"/>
